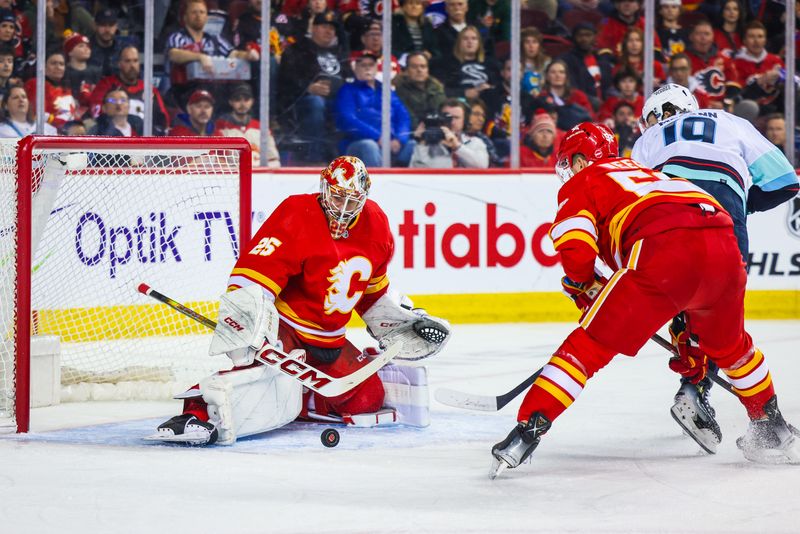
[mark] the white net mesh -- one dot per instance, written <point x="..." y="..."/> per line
<point x="102" y="222"/>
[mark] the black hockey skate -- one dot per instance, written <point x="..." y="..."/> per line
<point x="519" y="444"/>
<point x="186" y="428"/>
<point x="693" y="412"/>
<point x="771" y="440"/>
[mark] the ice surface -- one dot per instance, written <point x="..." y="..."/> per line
<point x="614" y="462"/>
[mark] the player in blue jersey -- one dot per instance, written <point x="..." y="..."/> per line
<point x="730" y="159"/>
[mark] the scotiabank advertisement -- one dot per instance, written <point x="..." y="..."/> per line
<point x="454" y="233"/>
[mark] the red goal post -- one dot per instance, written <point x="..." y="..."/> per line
<point x="91" y="217"/>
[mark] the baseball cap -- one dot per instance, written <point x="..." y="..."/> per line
<point x="328" y="17"/>
<point x="106" y="17"/>
<point x="242" y="89"/>
<point x="359" y="54"/>
<point x="6" y="15"/>
<point x="199" y="95"/>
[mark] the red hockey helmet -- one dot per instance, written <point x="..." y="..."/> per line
<point x="593" y="141"/>
<point x="344" y="186"/>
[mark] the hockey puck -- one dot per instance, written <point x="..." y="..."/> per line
<point x="330" y="437"/>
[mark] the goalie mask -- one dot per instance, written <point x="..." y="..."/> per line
<point x="671" y="98"/>
<point x="591" y="140"/>
<point x="344" y="186"/>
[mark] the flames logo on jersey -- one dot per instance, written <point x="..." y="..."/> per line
<point x="338" y="297"/>
<point x="712" y="80"/>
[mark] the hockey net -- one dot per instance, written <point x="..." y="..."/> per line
<point x="85" y="220"/>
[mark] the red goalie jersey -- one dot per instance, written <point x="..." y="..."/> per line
<point x="318" y="281"/>
<point x="604" y="209"/>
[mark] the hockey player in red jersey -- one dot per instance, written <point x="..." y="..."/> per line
<point x="314" y="261"/>
<point x="672" y="248"/>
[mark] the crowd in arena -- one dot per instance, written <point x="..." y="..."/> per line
<point x="451" y="72"/>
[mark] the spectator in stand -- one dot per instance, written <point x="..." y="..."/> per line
<point x="498" y="107"/>
<point x="775" y="132"/>
<point x="7" y="78"/>
<point x="81" y="77"/>
<point x="627" y="84"/>
<point x="105" y="44"/>
<point x="241" y="123"/>
<point x="192" y="43"/>
<point x="752" y="60"/>
<point x="447" y="146"/>
<point x="669" y="30"/>
<point x="310" y="74"/>
<point x="411" y="30"/>
<point x="714" y="73"/>
<point x="72" y="128"/>
<point x="65" y="15"/>
<point x="625" y="127"/>
<point x="470" y="72"/>
<point x="59" y="104"/>
<point x="448" y="31"/>
<point x="8" y="28"/>
<point x="730" y="28"/>
<point x="760" y="73"/>
<point x="372" y="41"/>
<point x="24" y="30"/>
<point x="626" y="15"/>
<point x="300" y="25"/>
<point x="589" y="71"/>
<point x="680" y="70"/>
<point x="357" y="14"/>
<point x="421" y="93"/>
<point x="632" y="57"/>
<point x="572" y="105"/>
<point x="476" y="126"/>
<point x="537" y="150"/>
<point x="16" y="122"/>
<point x="128" y="78"/>
<point x="534" y="61"/>
<point x="492" y="18"/>
<point x="197" y="119"/>
<point x="358" y="116"/>
<point x="115" y="119"/>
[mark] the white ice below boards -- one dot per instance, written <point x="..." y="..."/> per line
<point x="614" y="462"/>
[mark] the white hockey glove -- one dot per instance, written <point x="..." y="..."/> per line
<point x="247" y="319"/>
<point x="393" y="319"/>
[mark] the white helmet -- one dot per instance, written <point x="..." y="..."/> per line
<point x="681" y="99"/>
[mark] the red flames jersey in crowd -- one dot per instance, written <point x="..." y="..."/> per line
<point x="317" y="281"/>
<point x="605" y="208"/>
<point x="714" y="74"/>
<point x="748" y="66"/>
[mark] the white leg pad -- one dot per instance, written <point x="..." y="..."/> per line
<point x="251" y="401"/>
<point x="407" y="392"/>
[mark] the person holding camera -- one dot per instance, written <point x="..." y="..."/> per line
<point x="442" y="142"/>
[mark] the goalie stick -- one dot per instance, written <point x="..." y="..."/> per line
<point x="307" y="374"/>
<point x="487" y="403"/>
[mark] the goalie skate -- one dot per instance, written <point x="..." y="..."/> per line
<point x="771" y="440"/>
<point x="696" y="417"/>
<point x="185" y="428"/>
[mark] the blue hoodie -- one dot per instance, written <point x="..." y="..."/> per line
<point x="358" y="114"/>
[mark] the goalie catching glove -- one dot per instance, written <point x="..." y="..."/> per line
<point x="393" y="319"/>
<point x="247" y="320"/>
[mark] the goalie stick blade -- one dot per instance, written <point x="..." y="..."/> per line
<point x="459" y="399"/>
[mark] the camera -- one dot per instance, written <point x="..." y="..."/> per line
<point x="433" y="127"/>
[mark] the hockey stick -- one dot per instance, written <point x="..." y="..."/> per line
<point x="487" y="403"/>
<point x="305" y="373"/>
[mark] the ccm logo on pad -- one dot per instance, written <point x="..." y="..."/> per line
<point x="233" y="324"/>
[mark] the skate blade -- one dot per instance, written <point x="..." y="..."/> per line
<point x="684" y="416"/>
<point x="187" y="438"/>
<point x="497" y="467"/>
